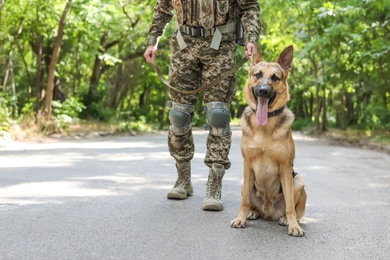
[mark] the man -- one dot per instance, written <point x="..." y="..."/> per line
<point x="203" y="48"/>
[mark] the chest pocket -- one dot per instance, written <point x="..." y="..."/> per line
<point x="206" y="14"/>
<point x="222" y="6"/>
<point x="222" y="12"/>
<point x="177" y="5"/>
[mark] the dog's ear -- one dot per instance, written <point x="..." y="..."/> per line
<point x="256" y="55"/>
<point x="285" y="58"/>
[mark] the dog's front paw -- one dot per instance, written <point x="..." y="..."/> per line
<point x="238" y="223"/>
<point x="296" y="231"/>
<point x="293" y="229"/>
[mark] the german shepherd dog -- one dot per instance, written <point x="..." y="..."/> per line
<point x="270" y="188"/>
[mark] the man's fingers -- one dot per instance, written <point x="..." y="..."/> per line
<point x="249" y="50"/>
<point x="150" y="53"/>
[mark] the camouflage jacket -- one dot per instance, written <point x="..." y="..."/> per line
<point x="207" y="14"/>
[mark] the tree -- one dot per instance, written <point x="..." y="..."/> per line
<point x="54" y="59"/>
<point x="339" y="77"/>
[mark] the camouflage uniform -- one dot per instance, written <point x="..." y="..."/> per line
<point x="198" y="64"/>
<point x="203" y="48"/>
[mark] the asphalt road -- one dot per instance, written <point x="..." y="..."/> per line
<point x="105" y="198"/>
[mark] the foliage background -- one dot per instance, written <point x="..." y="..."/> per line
<point x="340" y="71"/>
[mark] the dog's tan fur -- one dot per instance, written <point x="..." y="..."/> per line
<point x="268" y="188"/>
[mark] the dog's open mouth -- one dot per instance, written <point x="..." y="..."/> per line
<point x="262" y="111"/>
<point x="262" y="107"/>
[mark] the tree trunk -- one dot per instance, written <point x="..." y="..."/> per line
<point x="324" y="112"/>
<point x="8" y="72"/>
<point x="350" y="109"/>
<point x="118" y="80"/>
<point x="112" y="103"/>
<point x="131" y="97"/>
<point x="386" y="82"/>
<point x="311" y="105"/>
<point x="318" y="98"/>
<point x="96" y="73"/>
<point x="324" y="120"/>
<point x="300" y="105"/>
<point x="13" y="41"/>
<point x="38" y="74"/>
<point x="53" y="63"/>
<point x="58" y="94"/>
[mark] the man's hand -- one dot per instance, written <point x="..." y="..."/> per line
<point x="249" y="49"/>
<point x="150" y="53"/>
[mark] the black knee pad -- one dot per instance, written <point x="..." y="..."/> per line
<point x="180" y="117"/>
<point x="218" y="117"/>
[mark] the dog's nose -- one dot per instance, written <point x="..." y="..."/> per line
<point x="263" y="91"/>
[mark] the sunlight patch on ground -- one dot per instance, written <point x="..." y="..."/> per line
<point x="168" y="164"/>
<point x="41" y="161"/>
<point x="306" y="220"/>
<point x="51" y="189"/>
<point x="338" y="154"/>
<point x="131" y="156"/>
<point x="159" y="156"/>
<point x="22" y="202"/>
<point x="315" y="167"/>
<point x="81" y="145"/>
<point x="379" y="185"/>
<point x="301" y="137"/>
<point x="199" y="155"/>
<point x="374" y="203"/>
<point x="68" y="159"/>
<point x="162" y="187"/>
<point x="116" y="179"/>
<point x="231" y="178"/>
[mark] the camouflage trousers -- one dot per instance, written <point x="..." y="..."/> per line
<point x="190" y="69"/>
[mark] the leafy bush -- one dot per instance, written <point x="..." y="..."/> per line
<point x="28" y="109"/>
<point x="300" y="124"/>
<point x="66" y="113"/>
<point x="4" y="113"/>
<point x="98" y="112"/>
<point x="4" y="137"/>
<point x="134" y="125"/>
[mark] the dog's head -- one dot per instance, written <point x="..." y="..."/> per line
<point x="267" y="88"/>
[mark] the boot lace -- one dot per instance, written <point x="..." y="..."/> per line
<point x="214" y="187"/>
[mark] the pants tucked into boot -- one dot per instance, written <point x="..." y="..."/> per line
<point x="181" y="148"/>
<point x="183" y="186"/>
<point x="218" y="148"/>
<point x="213" y="188"/>
<point x="191" y="68"/>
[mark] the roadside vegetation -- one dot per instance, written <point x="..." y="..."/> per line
<point x="72" y="65"/>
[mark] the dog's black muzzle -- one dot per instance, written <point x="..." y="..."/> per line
<point x="264" y="91"/>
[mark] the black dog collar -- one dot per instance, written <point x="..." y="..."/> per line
<point x="276" y="112"/>
<point x="273" y="113"/>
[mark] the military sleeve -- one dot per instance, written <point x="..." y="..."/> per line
<point x="161" y="17"/>
<point x="250" y="17"/>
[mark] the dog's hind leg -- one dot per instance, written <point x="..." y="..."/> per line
<point x="301" y="205"/>
<point x="253" y="214"/>
<point x="299" y="197"/>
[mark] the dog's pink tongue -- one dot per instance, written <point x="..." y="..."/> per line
<point x="262" y="111"/>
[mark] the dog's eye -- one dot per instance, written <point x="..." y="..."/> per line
<point x="275" y="78"/>
<point x="258" y="75"/>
